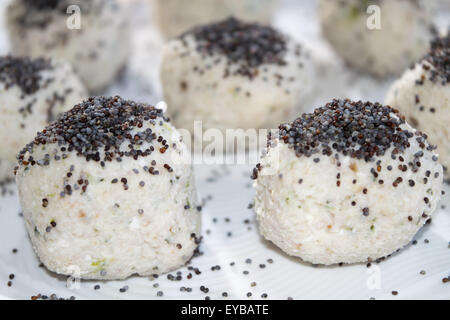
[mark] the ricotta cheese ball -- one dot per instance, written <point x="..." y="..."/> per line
<point x="106" y="192"/>
<point x="98" y="48"/>
<point x="233" y="74"/>
<point x="403" y="37"/>
<point x="351" y="182"/>
<point x="32" y="93"/>
<point x="422" y="94"/>
<point x="174" y="17"/>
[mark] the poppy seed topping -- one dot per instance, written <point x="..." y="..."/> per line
<point x="43" y="4"/>
<point x="361" y="130"/>
<point x="60" y="6"/>
<point x="439" y="58"/>
<point x="23" y="72"/>
<point x="247" y="44"/>
<point x="98" y="127"/>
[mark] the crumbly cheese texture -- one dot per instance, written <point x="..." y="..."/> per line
<point x="422" y="94"/>
<point x="329" y="209"/>
<point x="405" y="30"/>
<point x="98" y="50"/>
<point x="430" y="113"/>
<point x="174" y="17"/>
<point x="212" y="88"/>
<point x="110" y="219"/>
<point x="23" y="114"/>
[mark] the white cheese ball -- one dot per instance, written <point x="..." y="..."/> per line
<point x="422" y="94"/>
<point x="32" y="93"/>
<point x="98" y="49"/>
<point x="335" y="188"/>
<point x="174" y="17"/>
<point x="106" y="192"/>
<point x="405" y="30"/>
<point x="234" y="75"/>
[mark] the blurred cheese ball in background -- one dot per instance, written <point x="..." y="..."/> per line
<point x="422" y="94"/>
<point x="437" y="6"/>
<point x="105" y="192"/>
<point x="406" y="29"/>
<point x="351" y="182"/>
<point x="174" y="17"/>
<point x="98" y="50"/>
<point x="233" y="74"/>
<point x="32" y="93"/>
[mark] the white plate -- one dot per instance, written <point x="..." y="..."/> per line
<point x="230" y="191"/>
